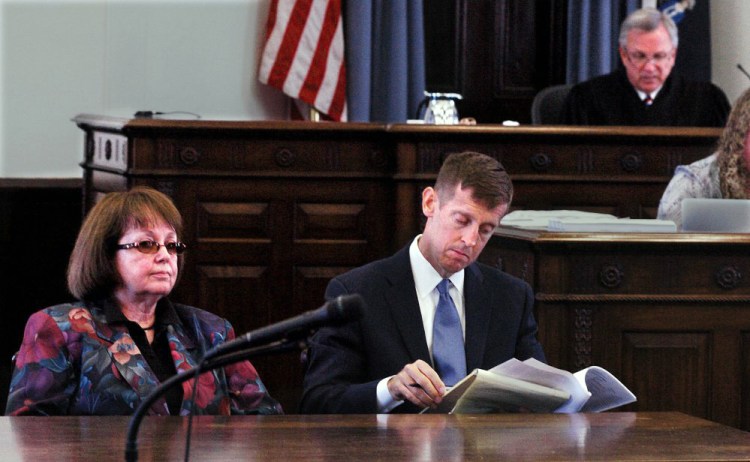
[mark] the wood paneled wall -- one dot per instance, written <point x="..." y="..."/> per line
<point x="665" y="313"/>
<point x="496" y="53"/>
<point x="39" y="221"/>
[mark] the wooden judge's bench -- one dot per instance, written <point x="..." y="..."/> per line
<point x="668" y="314"/>
<point x="273" y="210"/>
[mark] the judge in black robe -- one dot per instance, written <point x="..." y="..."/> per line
<point x="611" y="100"/>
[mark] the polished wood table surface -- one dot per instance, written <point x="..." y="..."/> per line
<point x="621" y="436"/>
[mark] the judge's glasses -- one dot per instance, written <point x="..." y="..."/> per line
<point x="151" y="247"/>
<point x="640" y="59"/>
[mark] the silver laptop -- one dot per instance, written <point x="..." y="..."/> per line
<point x="716" y="215"/>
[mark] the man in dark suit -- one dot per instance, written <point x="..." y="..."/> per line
<point x="389" y="361"/>
<point x="646" y="91"/>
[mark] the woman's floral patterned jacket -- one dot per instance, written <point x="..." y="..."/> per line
<point x="72" y="362"/>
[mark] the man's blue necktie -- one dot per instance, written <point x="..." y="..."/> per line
<point x="448" y="339"/>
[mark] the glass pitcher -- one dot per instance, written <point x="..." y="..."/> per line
<point x="439" y="108"/>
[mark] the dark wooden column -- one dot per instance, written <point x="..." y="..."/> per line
<point x="497" y="53"/>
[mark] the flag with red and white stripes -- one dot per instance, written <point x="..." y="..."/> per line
<point x="304" y="54"/>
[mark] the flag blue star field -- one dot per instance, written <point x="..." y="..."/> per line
<point x="693" y="22"/>
<point x="676" y="9"/>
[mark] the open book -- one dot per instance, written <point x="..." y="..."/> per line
<point x="534" y="386"/>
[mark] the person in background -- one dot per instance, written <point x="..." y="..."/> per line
<point x="433" y="313"/>
<point x="723" y="174"/>
<point x="646" y="91"/>
<point x="103" y="354"/>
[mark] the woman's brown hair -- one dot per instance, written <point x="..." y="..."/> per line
<point x="733" y="169"/>
<point x="91" y="270"/>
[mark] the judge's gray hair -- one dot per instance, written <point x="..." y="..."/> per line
<point x="647" y="20"/>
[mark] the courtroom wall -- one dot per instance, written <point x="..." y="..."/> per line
<point x="63" y="57"/>
<point x="729" y="38"/>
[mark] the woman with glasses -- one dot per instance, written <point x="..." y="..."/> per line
<point x="645" y="90"/>
<point x="105" y="353"/>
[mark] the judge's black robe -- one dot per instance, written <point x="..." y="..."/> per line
<point x="611" y="100"/>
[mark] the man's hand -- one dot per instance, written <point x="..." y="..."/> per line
<point x="417" y="383"/>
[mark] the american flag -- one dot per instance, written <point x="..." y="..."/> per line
<point x="304" y="54"/>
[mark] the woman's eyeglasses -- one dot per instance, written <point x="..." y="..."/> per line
<point x="151" y="247"/>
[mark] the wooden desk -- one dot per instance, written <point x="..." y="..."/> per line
<point x="668" y="314"/>
<point x="274" y="210"/>
<point x="617" y="170"/>
<point x="549" y="437"/>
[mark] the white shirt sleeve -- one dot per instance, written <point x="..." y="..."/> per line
<point x="386" y="403"/>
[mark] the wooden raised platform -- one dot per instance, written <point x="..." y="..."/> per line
<point x="273" y="210"/>
<point x="668" y="314"/>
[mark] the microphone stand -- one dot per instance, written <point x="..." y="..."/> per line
<point x="131" y="443"/>
<point x="293" y="333"/>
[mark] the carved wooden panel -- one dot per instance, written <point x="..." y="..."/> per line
<point x="271" y="156"/>
<point x="497" y="54"/>
<point x="636" y="273"/>
<point x="263" y="250"/>
<point x="745" y="380"/>
<point x="515" y="24"/>
<point x="331" y="221"/>
<point x="668" y="370"/>
<point x="603" y="158"/>
<point x="552" y="319"/>
<point x="238" y="293"/>
<point x="314" y="279"/>
<point x="246" y="221"/>
<point x="245" y="296"/>
<point x="108" y="150"/>
<point x="667" y="314"/>
<point x="581" y="170"/>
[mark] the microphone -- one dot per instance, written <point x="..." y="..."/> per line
<point x="340" y="310"/>
<point x="742" y="69"/>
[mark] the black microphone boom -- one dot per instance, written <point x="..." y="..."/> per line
<point x="742" y="69"/>
<point x="340" y="310"/>
<point x="275" y="338"/>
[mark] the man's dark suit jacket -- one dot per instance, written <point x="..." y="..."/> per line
<point x="346" y="363"/>
<point x="611" y="100"/>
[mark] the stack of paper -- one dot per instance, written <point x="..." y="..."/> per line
<point x="578" y="221"/>
<point x="618" y="225"/>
